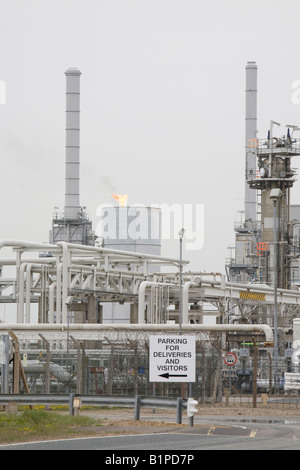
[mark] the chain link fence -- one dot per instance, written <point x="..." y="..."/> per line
<point x="117" y="363"/>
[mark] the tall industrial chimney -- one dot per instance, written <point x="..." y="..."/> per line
<point x="73" y="225"/>
<point x="250" y="135"/>
<point x="243" y="268"/>
<point x="72" y="197"/>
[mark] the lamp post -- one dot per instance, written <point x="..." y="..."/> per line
<point x="180" y="233"/>
<point x="68" y="304"/>
<point x="275" y="195"/>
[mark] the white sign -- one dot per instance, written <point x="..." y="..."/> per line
<point x="172" y="358"/>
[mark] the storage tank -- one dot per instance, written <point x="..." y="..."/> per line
<point x="132" y="228"/>
<point x="135" y="228"/>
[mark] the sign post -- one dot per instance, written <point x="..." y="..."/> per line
<point x="172" y="358"/>
<point x="230" y="360"/>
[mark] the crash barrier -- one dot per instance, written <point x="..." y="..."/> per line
<point x="75" y="402"/>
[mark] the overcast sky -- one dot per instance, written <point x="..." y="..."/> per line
<point x="162" y="105"/>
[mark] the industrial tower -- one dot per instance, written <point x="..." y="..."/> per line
<point x="271" y="222"/>
<point x="73" y="225"/>
<point x="242" y="267"/>
<point x="274" y="180"/>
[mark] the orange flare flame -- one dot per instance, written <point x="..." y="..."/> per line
<point x="122" y="198"/>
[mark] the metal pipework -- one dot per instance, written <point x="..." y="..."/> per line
<point x="142" y="293"/>
<point x="185" y="300"/>
<point x="21" y="283"/>
<point x="72" y="197"/>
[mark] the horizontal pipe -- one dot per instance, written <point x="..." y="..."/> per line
<point x="26" y="244"/>
<point x="96" y="249"/>
<point x="98" y="327"/>
<point x="250" y="287"/>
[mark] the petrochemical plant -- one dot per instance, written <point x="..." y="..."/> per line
<point x="97" y="291"/>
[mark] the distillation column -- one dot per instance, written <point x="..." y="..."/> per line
<point x="250" y="136"/>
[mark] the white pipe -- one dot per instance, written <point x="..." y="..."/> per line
<point x="20" y="304"/>
<point x="142" y="292"/>
<point x="58" y="292"/>
<point x="26" y="244"/>
<point x="28" y="282"/>
<point x="98" y="327"/>
<point x="12" y="261"/>
<point x="51" y="302"/>
<point x="185" y="300"/>
<point x="250" y="287"/>
<point x="134" y="254"/>
<point x="65" y="280"/>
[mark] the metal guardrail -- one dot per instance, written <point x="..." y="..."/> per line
<point x="75" y="401"/>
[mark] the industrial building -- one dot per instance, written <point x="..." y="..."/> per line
<point x="269" y="218"/>
<point x="76" y="281"/>
<point x="74" y="265"/>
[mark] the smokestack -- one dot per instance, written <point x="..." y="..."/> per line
<point x="250" y="135"/>
<point x="72" y="197"/>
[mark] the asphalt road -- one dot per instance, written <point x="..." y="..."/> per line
<point x="217" y="435"/>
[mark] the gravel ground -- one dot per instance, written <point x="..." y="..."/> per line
<point x="147" y="414"/>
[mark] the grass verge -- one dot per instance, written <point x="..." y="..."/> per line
<point x="39" y="424"/>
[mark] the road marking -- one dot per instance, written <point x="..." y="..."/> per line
<point x="253" y="433"/>
<point x="82" y="438"/>
<point x="211" y="430"/>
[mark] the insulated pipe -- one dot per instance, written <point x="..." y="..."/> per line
<point x="185" y="300"/>
<point x="142" y="293"/>
<point x="12" y="262"/>
<point x="20" y="304"/>
<point x="51" y="302"/>
<point x="56" y="370"/>
<point x="72" y="202"/>
<point x="58" y="292"/>
<point x="28" y="282"/>
<point x="98" y="328"/>
<point x="26" y="244"/>
<point x="37" y="246"/>
<point x="134" y="254"/>
<point x="65" y="279"/>
<point x="250" y="287"/>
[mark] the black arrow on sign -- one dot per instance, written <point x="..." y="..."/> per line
<point x="167" y="375"/>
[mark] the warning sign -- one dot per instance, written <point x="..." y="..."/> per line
<point x="252" y="295"/>
<point x="230" y="359"/>
<point x="172" y="358"/>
